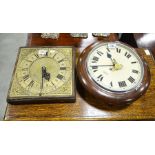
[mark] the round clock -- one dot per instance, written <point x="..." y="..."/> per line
<point x="113" y="72"/>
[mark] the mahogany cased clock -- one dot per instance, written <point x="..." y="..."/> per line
<point x="43" y="74"/>
<point x="113" y="72"/>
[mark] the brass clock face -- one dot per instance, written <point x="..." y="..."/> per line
<point x="43" y="74"/>
<point x="113" y="72"/>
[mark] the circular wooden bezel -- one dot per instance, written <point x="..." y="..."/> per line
<point x="110" y="97"/>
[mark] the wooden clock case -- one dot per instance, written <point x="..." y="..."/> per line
<point x="109" y="97"/>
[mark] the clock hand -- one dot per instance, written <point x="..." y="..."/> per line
<point x="116" y="65"/>
<point x="46" y="75"/>
<point x="110" y="57"/>
<point x="115" y="62"/>
<point x="101" y="65"/>
<point x="42" y="79"/>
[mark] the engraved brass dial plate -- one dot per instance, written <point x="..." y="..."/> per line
<point x="43" y="74"/>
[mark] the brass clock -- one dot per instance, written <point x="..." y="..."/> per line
<point x="113" y="72"/>
<point x="43" y="74"/>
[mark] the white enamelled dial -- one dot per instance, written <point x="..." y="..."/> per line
<point x="115" y="67"/>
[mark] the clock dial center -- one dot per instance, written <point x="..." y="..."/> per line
<point x="50" y="66"/>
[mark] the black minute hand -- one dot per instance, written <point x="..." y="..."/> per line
<point x="101" y="65"/>
<point x="42" y="80"/>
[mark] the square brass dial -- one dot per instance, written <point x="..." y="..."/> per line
<point x="43" y="74"/>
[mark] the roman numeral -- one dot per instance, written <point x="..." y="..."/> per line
<point x="95" y="68"/>
<point x="127" y="55"/>
<point x="25" y="77"/>
<point x="99" y="53"/>
<point x="133" y="62"/>
<point x="62" y="68"/>
<point x="31" y="83"/>
<point x="60" y="60"/>
<point x="131" y="79"/>
<point x="135" y="71"/>
<point x="118" y="50"/>
<point x="100" y="77"/>
<point x="54" y="55"/>
<point x="111" y="84"/>
<point x="28" y="60"/>
<point x="36" y="55"/>
<point x="24" y="69"/>
<point x="95" y="59"/>
<point x="53" y="84"/>
<point x="60" y="77"/>
<point x="108" y="49"/>
<point x="46" y="54"/>
<point x="122" y="84"/>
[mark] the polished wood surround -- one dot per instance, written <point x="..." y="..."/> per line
<point x="86" y="106"/>
<point x="107" y="97"/>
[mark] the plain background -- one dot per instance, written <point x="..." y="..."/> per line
<point x="9" y="44"/>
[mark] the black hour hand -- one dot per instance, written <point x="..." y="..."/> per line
<point x="108" y="55"/>
<point x="45" y="74"/>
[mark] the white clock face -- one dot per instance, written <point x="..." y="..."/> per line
<point x="115" y="67"/>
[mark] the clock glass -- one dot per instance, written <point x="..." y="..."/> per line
<point x="115" y="67"/>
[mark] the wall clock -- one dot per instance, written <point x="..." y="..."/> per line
<point x="113" y="72"/>
<point x="43" y="74"/>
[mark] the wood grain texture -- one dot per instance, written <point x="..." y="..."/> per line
<point x="86" y="107"/>
<point x="66" y="40"/>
